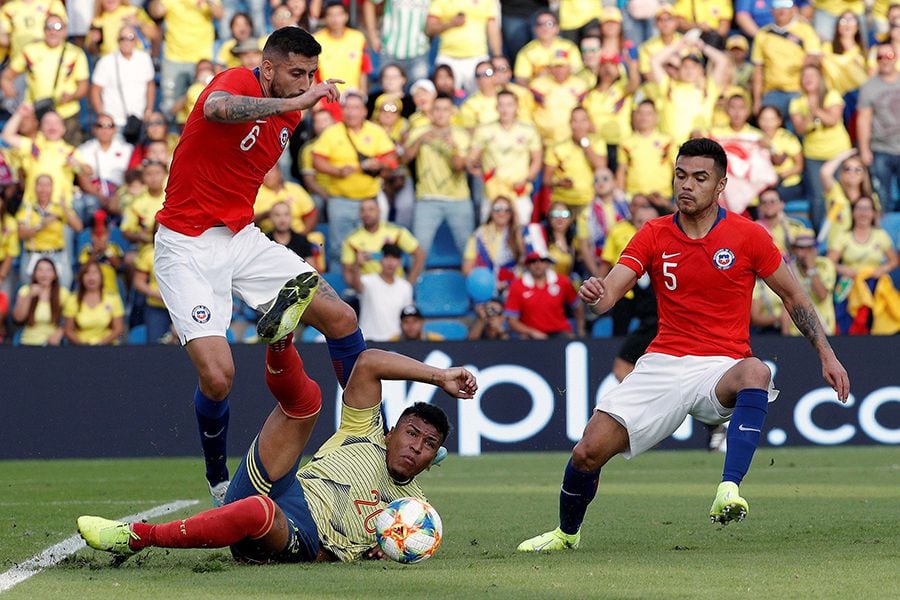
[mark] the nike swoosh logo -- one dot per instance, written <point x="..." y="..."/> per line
<point x="742" y="428"/>
<point x="665" y="256"/>
<point x="213" y="435"/>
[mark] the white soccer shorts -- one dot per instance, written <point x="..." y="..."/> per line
<point x="197" y="275"/>
<point x="655" y="398"/>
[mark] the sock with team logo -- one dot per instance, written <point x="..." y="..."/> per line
<point x="344" y="352"/>
<point x="744" y="432"/>
<point x="212" y="421"/>
<point x="577" y="490"/>
<point x="216" y="528"/>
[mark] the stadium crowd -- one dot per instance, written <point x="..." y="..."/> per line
<point x="506" y="150"/>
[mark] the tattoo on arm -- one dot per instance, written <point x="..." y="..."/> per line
<point x="807" y="321"/>
<point x="227" y="108"/>
<point x="326" y="291"/>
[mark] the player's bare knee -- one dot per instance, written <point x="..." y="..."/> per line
<point x="585" y="458"/>
<point x="216" y="383"/>
<point x="753" y="373"/>
<point x="337" y="318"/>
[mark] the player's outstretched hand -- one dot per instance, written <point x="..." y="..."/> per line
<point x="592" y="291"/>
<point x="327" y="90"/>
<point x="836" y="376"/>
<point x="458" y="382"/>
<point x="374" y="553"/>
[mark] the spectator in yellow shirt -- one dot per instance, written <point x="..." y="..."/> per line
<point x="468" y="33"/>
<point x="356" y="155"/>
<point x="534" y="58"/>
<point x="571" y="163"/>
<point x="646" y="160"/>
<point x="481" y="107"/>
<point x="667" y="25"/>
<point x="39" y="306"/>
<point x="314" y="181"/>
<point x="556" y="94"/>
<point x="344" y="55"/>
<point x="503" y="74"/>
<point x="828" y="13"/>
<point x="110" y="16"/>
<point x="93" y="315"/>
<point x="274" y="190"/>
<point x="786" y="152"/>
<point x="139" y="219"/>
<point x="240" y="27"/>
<point x="609" y="104"/>
<point x="844" y="58"/>
<point x="708" y="15"/>
<point x="577" y="16"/>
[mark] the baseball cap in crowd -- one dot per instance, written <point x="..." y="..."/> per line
<point x="536" y="256"/>
<point x="251" y="44"/>
<point x="392" y="250"/>
<point x="736" y="41"/>
<point x="805" y="238"/>
<point x="423" y="84"/>
<point x="411" y="310"/>
<point x="782" y="3"/>
<point x="611" y="13"/>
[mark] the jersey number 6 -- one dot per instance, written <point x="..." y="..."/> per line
<point x="250" y="138"/>
<point x="669" y="276"/>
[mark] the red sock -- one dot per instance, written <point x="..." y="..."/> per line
<point x="216" y="528"/>
<point x="298" y="395"/>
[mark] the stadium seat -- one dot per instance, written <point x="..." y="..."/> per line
<point x="451" y="329"/>
<point x="602" y="328"/>
<point x="890" y="222"/>
<point x="336" y="280"/>
<point x="442" y="293"/>
<point x="798" y="209"/>
<point x="443" y="254"/>
<point x="137" y="335"/>
<point x="312" y="335"/>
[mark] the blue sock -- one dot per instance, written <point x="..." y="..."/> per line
<point x="344" y="352"/>
<point x="577" y="491"/>
<point x="212" y="421"/>
<point x="744" y="431"/>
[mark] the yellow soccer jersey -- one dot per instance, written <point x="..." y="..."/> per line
<point x="189" y="30"/>
<point x="616" y="241"/>
<point x="363" y="240"/>
<point x="110" y="280"/>
<point x="526" y="101"/>
<point x="24" y="21"/>
<point x="295" y="196"/>
<point x="783" y="55"/>
<point x="94" y="322"/>
<point x="144" y="264"/>
<point x="190" y="97"/>
<point x="575" y="13"/>
<point x="436" y="177"/>
<point x="555" y="102"/>
<point x="334" y="144"/>
<point x="649" y="163"/>
<point x="343" y="58"/>
<point x="306" y="164"/>
<point x="44" y="327"/>
<point x="838" y="7"/>
<point x="470" y="39"/>
<point x="51" y="237"/>
<point x="684" y="107"/>
<point x="569" y="159"/>
<point x="705" y="12"/>
<point x="506" y="154"/>
<point x="844" y="72"/>
<point x="347" y="484"/>
<point x="9" y="237"/>
<point x="785" y="142"/>
<point x="785" y="232"/>
<point x="856" y="254"/>
<point x="40" y="64"/>
<point x="534" y="58"/>
<point x="110" y="23"/>
<point x="821" y="142"/>
<point x="610" y="112"/>
<point x="477" y="109"/>
<point x="41" y="156"/>
<point x="141" y="213"/>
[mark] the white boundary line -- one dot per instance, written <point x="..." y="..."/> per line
<point x="69" y="546"/>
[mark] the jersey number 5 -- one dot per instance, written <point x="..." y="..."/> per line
<point x="250" y="139"/>
<point x="669" y="276"/>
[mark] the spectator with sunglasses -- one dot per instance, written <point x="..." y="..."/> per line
<point x="123" y="81"/>
<point x="108" y="155"/>
<point x="534" y="58"/>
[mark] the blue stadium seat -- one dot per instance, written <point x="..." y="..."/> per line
<point x="797" y="209"/>
<point x="890" y="222"/>
<point x="336" y="280"/>
<point x="137" y="335"/>
<point x="442" y="293"/>
<point x="451" y="329"/>
<point x="311" y="334"/>
<point x="602" y="328"/>
<point x="444" y="253"/>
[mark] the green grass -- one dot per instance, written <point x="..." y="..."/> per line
<point x="824" y="523"/>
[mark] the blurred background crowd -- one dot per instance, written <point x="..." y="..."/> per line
<point x="485" y="156"/>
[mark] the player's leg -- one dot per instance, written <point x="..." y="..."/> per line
<point x="744" y="388"/>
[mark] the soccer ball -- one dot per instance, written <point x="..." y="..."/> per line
<point x="408" y="530"/>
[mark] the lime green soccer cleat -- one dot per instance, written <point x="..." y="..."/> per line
<point x="106" y="535"/>
<point x="728" y="505"/>
<point x="552" y="540"/>
<point x="284" y="315"/>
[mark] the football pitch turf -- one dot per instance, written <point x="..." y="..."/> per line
<point x="823" y="523"/>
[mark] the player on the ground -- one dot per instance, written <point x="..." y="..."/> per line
<point x="327" y="509"/>
<point x="208" y="248"/>
<point x="703" y="262"/>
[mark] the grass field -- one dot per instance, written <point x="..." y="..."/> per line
<point x="824" y="523"/>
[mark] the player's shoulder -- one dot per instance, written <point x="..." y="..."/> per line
<point x="241" y="77"/>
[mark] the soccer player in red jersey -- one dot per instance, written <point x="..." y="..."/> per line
<point x="207" y="247"/>
<point x="703" y="262"/>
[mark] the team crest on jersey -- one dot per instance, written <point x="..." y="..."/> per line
<point x="200" y="314"/>
<point x="723" y="258"/>
<point x="283" y="136"/>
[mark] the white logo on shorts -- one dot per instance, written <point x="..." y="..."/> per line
<point x="723" y="258"/>
<point x="200" y="314"/>
<point x="285" y="134"/>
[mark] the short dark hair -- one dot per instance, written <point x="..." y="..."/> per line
<point x="443" y="96"/>
<point x="431" y="414"/>
<point x="507" y="92"/>
<point x="707" y="148"/>
<point x="291" y="40"/>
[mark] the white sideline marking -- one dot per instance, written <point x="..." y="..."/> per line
<point x="69" y="546"/>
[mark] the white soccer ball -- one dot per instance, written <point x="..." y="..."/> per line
<point x="408" y="530"/>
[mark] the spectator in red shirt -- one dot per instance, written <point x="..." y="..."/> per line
<point x="537" y="302"/>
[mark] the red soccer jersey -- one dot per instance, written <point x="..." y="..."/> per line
<point x="543" y="308"/>
<point x="703" y="287"/>
<point x="217" y="167"/>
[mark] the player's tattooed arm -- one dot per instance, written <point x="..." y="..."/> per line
<point x="807" y="321"/>
<point x="223" y="107"/>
